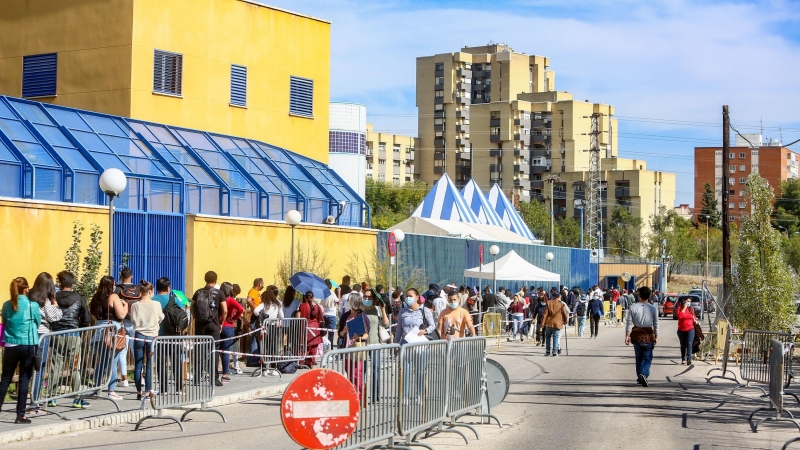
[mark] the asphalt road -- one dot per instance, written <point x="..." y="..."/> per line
<point x="585" y="400"/>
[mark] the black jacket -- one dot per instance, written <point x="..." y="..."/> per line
<point x="489" y="301"/>
<point x="536" y="310"/>
<point x="75" y="313"/>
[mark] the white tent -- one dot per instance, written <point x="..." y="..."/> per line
<point x="439" y="227"/>
<point x="513" y="267"/>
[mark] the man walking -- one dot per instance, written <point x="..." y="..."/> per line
<point x="554" y="317"/>
<point x="580" y="314"/>
<point x="207" y="306"/>
<point x="595" y="307"/>
<point x="641" y="329"/>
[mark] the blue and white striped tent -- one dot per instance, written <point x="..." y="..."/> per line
<point x="480" y="205"/>
<point x="510" y="217"/>
<point x="446" y="203"/>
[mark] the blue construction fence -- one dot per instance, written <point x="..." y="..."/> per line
<point x="444" y="260"/>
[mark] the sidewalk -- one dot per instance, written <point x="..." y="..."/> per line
<point x="102" y="412"/>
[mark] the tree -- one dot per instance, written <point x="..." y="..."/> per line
<point x="624" y="232"/>
<point x="787" y="207"/>
<point x="667" y="226"/>
<point x="710" y="207"/>
<point x="307" y="258"/>
<point x="391" y="203"/>
<point x="763" y="286"/>
<point x="791" y="250"/>
<point x="87" y="275"/>
<point x="567" y="233"/>
<point x="536" y="218"/>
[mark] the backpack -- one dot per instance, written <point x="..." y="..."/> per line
<point x="131" y="294"/>
<point x="288" y="367"/>
<point x="206" y="306"/>
<point x="581" y="309"/>
<point x="176" y="320"/>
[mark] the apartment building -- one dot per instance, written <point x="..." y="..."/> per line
<point x="767" y="158"/>
<point x="390" y="157"/>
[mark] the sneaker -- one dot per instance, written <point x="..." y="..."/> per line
<point x="22" y="421"/>
<point x="113" y="395"/>
<point x="239" y="371"/>
<point x="688" y="363"/>
<point x="546" y="353"/>
<point x="559" y="351"/>
<point x="123" y="383"/>
<point x="80" y="404"/>
<point x="217" y="383"/>
<point x="683" y="361"/>
<point x="643" y="380"/>
<point x="226" y="379"/>
<point x="555" y="355"/>
<point x="51" y="404"/>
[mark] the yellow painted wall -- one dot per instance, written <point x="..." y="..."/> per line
<point x="240" y="250"/>
<point x="212" y="35"/>
<point x="93" y="41"/>
<point x="37" y="235"/>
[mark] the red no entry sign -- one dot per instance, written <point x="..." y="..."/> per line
<point x="320" y="409"/>
<point x="392" y="244"/>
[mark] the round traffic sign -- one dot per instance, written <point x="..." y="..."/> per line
<point x="497" y="382"/>
<point x="320" y="409"/>
<point x="392" y="244"/>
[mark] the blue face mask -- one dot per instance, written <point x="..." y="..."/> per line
<point x="367" y="303"/>
<point x="410" y="301"/>
<point x="453" y="305"/>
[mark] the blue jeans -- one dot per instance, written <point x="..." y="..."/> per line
<point x="414" y="372"/>
<point x="581" y="325"/>
<point x="142" y="350"/>
<point x="123" y="362"/>
<point x="330" y="323"/>
<point x="227" y="332"/>
<point x="375" y="360"/>
<point x="555" y="335"/>
<point x="686" y="339"/>
<point x="37" y="379"/>
<point x="517" y="318"/>
<point x="644" y="356"/>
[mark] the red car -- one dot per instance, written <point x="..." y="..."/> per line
<point x="667" y="307"/>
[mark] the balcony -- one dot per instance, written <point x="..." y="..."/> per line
<point x="537" y="124"/>
<point x="396" y="156"/>
<point x="494" y="122"/>
<point x="462" y="142"/>
<point x="463" y="170"/>
<point x="466" y="156"/>
<point x="438" y="127"/>
<point x="495" y="153"/>
<point x="537" y="197"/>
<point x="494" y="138"/>
<point x="537" y="139"/>
<point x="382" y="154"/>
<point x="464" y="86"/>
<point x="525" y="154"/>
<point x="438" y="73"/>
<point x="523" y="168"/>
<point x="481" y="74"/>
<point x="622" y="192"/>
<point x="438" y="100"/>
<point x="438" y="155"/>
<point x="537" y="184"/>
<point x="626" y="207"/>
<point x="438" y="170"/>
<point x="539" y="169"/>
<point x="462" y="128"/>
<point x="411" y="169"/>
<point x="526" y="123"/>
<point x="522" y="183"/>
<point x="409" y="156"/>
<point x="438" y="142"/>
<point x="462" y="99"/>
<point x="464" y="73"/>
<point x="559" y="195"/>
<point x="438" y="114"/>
<point x="396" y="170"/>
<point x="495" y="168"/>
<point x="539" y="153"/>
<point x="463" y="113"/>
<point x="520" y="137"/>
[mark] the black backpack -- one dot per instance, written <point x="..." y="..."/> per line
<point x="176" y="320"/>
<point x="205" y="307"/>
<point x="581" y="309"/>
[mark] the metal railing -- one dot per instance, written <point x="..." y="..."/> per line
<point x="374" y="372"/>
<point x="467" y="380"/>
<point x="722" y="346"/>
<point x="777" y="356"/>
<point x="282" y="340"/>
<point x="76" y="362"/>
<point x="754" y="364"/>
<point x="183" y="372"/>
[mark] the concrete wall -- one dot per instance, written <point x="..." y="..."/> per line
<point x="240" y="250"/>
<point x="38" y="234"/>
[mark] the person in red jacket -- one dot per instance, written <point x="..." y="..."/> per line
<point x="232" y="312"/>
<point x="686" y="321"/>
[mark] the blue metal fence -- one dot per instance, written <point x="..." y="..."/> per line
<point x="155" y="244"/>
<point x="444" y="259"/>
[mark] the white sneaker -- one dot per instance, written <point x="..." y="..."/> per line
<point x="239" y="371"/>
<point x="123" y="383"/>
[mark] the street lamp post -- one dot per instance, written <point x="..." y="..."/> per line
<point x="549" y="257"/>
<point x="112" y="183"/>
<point x="494" y="250"/>
<point x="293" y="218"/>
<point x="399" y="235"/>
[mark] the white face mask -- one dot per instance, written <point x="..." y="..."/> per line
<point x="453" y="305"/>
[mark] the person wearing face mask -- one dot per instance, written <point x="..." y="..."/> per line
<point x="537" y="308"/>
<point x="455" y="320"/>
<point x="414" y="317"/>
<point x="376" y="315"/>
<point x="517" y="312"/>
<point x="686" y="321"/>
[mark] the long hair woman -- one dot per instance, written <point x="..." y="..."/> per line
<point x="290" y="303"/>
<point x="314" y="315"/>
<point x="107" y="307"/>
<point x="146" y="316"/>
<point x="20" y="322"/>
<point x="686" y="321"/>
<point x="43" y="294"/>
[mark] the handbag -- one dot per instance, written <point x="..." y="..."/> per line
<point x="114" y="339"/>
<point x="37" y="355"/>
<point x="431" y="336"/>
<point x="383" y="334"/>
<point x="359" y="356"/>
<point x="2" y="339"/>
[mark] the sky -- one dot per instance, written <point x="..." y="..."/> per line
<point x="666" y="66"/>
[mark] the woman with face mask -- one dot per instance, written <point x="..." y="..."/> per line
<point x="517" y="311"/>
<point x="537" y="308"/>
<point x="413" y="316"/>
<point x="686" y="321"/>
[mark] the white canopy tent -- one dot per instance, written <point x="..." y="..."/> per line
<point x="513" y="267"/>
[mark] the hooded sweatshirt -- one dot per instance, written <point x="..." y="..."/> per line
<point x="75" y="313"/>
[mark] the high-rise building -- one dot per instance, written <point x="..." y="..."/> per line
<point x="390" y="157"/>
<point x="235" y="67"/>
<point x="348" y="144"/>
<point x="749" y="154"/>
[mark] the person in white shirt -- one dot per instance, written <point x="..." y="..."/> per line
<point x="343" y="302"/>
<point x="329" y="308"/>
<point x="439" y="303"/>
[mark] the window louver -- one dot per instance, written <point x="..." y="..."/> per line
<point x="301" y="96"/>
<point x="39" y="75"/>
<point x="238" y="85"/>
<point x="167" y="72"/>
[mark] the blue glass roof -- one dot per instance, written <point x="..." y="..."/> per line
<point x="57" y="153"/>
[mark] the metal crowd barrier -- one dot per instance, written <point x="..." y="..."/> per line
<point x="777" y="356"/>
<point x="77" y="362"/>
<point x="374" y="372"/>
<point x="183" y="374"/>
<point x="754" y="364"/>
<point x="467" y="381"/>
<point x="424" y="388"/>
<point x="282" y="340"/>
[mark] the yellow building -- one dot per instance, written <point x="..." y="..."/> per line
<point x="390" y="157"/>
<point x="235" y="67"/>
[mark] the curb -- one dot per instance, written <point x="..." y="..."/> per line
<point x="38" y="432"/>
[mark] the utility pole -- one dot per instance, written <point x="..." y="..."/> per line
<point x="552" y="179"/>
<point x="594" y="212"/>
<point x="726" y="234"/>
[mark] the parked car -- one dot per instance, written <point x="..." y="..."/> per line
<point x="696" y="302"/>
<point x="710" y="300"/>
<point x="667" y="306"/>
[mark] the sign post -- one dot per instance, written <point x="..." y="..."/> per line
<point x="320" y="409"/>
<point x="480" y="282"/>
<point x="391" y="244"/>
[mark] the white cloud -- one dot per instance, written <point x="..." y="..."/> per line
<point x="672" y="60"/>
